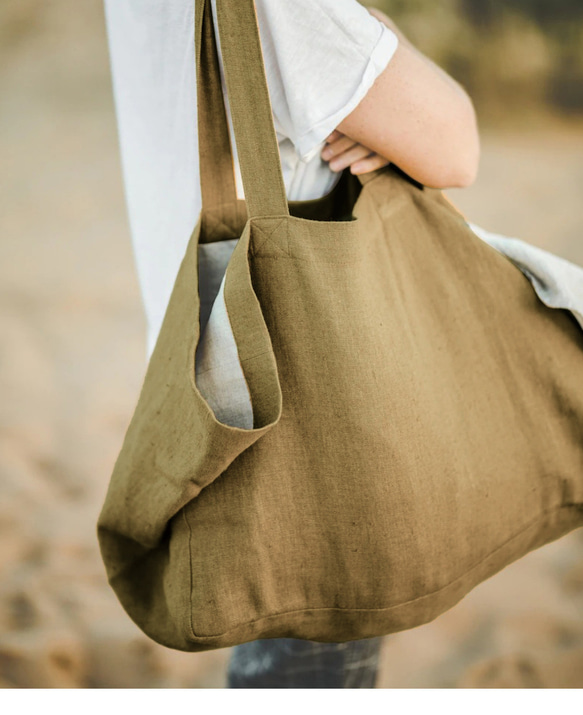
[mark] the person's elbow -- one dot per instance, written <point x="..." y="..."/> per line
<point x="456" y="166"/>
<point x="467" y="155"/>
<point x="421" y="120"/>
<point x="460" y="173"/>
<point x="465" y="177"/>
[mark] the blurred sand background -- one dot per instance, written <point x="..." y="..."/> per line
<point x="72" y="350"/>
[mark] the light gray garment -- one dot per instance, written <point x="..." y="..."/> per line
<point x="557" y="282"/>
<point x="218" y="372"/>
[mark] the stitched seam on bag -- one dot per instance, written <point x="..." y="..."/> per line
<point x="397" y="605"/>
<point x="219" y="223"/>
<point x="214" y="230"/>
<point x="191" y="586"/>
<point x="268" y="238"/>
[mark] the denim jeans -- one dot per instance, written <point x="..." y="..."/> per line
<point x="292" y="663"/>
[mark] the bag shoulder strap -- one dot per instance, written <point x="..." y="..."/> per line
<point x="214" y="146"/>
<point x="250" y="107"/>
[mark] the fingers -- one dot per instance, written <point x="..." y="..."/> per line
<point x="341" y="151"/>
<point x="339" y="145"/>
<point x="370" y="163"/>
<point x="355" y="154"/>
<point x="335" y="135"/>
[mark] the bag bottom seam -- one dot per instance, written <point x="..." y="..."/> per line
<point x="533" y="522"/>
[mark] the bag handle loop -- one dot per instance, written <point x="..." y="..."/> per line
<point x="250" y="106"/>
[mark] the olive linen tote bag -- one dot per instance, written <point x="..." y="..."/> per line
<point x="417" y="410"/>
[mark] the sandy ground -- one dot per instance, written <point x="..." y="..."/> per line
<point x="72" y="352"/>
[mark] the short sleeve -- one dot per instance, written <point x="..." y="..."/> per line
<point x="321" y="58"/>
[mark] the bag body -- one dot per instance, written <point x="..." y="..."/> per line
<point x="417" y="410"/>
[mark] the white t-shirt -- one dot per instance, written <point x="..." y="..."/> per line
<point x="321" y="58"/>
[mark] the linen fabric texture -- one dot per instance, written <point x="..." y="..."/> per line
<point x="417" y="409"/>
<point x="307" y="46"/>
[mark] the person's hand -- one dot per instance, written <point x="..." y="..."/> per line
<point x="341" y="151"/>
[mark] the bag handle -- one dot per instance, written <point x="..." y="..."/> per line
<point x="250" y="107"/>
<point x="214" y="145"/>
